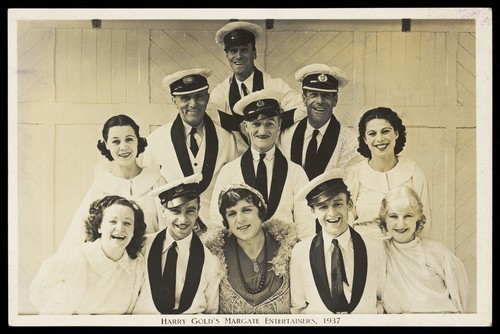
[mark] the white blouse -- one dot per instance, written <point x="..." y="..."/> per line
<point x="84" y="280"/>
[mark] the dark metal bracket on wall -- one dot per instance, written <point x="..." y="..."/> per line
<point x="96" y="24"/>
<point x="406" y="25"/>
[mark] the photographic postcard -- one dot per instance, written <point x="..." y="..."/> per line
<point x="71" y="69"/>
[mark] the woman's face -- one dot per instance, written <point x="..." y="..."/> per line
<point x="117" y="227"/>
<point x="123" y="144"/>
<point x="380" y="137"/>
<point x="401" y="220"/>
<point x="243" y="219"/>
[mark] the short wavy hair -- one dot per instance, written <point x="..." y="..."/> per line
<point x="120" y="120"/>
<point x="402" y="193"/>
<point x="390" y="116"/>
<point x="96" y="213"/>
<point x="234" y="195"/>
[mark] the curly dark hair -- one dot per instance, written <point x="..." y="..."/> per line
<point x="235" y="195"/>
<point x="120" y="120"/>
<point x="404" y="193"/>
<point x="390" y="116"/>
<point x="94" y="220"/>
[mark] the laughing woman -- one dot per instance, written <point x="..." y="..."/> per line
<point x="382" y="136"/>
<point x="102" y="275"/>
<point x="121" y="145"/>
<point x="254" y="254"/>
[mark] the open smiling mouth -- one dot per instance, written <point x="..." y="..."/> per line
<point x="381" y="147"/>
<point x="243" y="228"/>
<point x="124" y="155"/>
<point x="333" y="221"/>
<point x="118" y="237"/>
<point x="400" y="230"/>
<point x="182" y="226"/>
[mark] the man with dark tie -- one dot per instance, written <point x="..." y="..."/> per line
<point x="192" y="143"/>
<point x="238" y="40"/>
<point x="337" y="270"/>
<point x="182" y="275"/>
<point x="264" y="167"/>
<point x="319" y="141"/>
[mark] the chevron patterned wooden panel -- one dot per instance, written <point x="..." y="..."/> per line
<point x="466" y="69"/>
<point x="35" y="65"/>
<point x="466" y="222"/>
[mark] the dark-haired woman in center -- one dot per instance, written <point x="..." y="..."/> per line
<point x="382" y="137"/>
<point x="254" y="254"/>
<point x="121" y="144"/>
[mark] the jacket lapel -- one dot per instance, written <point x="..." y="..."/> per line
<point x="360" y="269"/>
<point x="211" y="153"/>
<point x="327" y="146"/>
<point x="318" y="268"/>
<point x="298" y="142"/>
<point x="258" y="80"/>
<point x="180" y="147"/>
<point x="155" y="270"/>
<point x="247" y="169"/>
<point x="234" y="93"/>
<point x="280" y="171"/>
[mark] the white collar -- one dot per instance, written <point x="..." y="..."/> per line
<point x="182" y="244"/>
<point x="343" y="239"/>
<point x="322" y="130"/>
<point x="269" y="154"/>
<point x="187" y="129"/>
<point x="247" y="81"/>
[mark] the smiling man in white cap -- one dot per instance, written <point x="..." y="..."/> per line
<point x="319" y="141"/>
<point x="181" y="272"/>
<point x="192" y="143"/>
<point x="238" y="40"/>
<point x="337" y="270"/>
<point x="264" y="167"/>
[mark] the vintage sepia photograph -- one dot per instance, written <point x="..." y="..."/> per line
<point x="250" y="167"/>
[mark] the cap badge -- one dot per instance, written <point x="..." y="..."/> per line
<point x="322" y="78"/>
<point x="234" y="33"/>
<point x="179" y="189"/>
<point x="323" y="186"/>
<point x="188" y="80"/>
<point x="260" y="103"/>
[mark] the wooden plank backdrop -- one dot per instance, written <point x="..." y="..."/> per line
<point x="72" y="78"/>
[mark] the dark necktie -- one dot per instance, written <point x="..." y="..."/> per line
<point x="244" y="89"/>
<point x="262" y="177"/>
<point x="192" y="142"/>
<point x="167" y="289"/>
<point x="311" y="156"/>
<point x="338" y="277"/>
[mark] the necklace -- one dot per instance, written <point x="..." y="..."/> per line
<point x="262" y="281"/>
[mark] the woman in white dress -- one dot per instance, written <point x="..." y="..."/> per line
<point x="423" y="275"/>
<point x="382" y="136"/>
<point x="102" y="275"/>
<point x="121" y="145"/>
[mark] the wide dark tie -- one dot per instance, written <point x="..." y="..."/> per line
<point x="262" y="177"/>
<point x="192" y="142"/>
<point x="311" y="156"/>
<point x="244" y="89"/>
<point x="338" y="277"/>
<point x="167" y="289"/>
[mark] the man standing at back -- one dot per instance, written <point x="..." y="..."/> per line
<point x="192" y="143"/>
<point x="238" y="40"/>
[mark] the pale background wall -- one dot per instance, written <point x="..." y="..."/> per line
<point x="72" y="78"/>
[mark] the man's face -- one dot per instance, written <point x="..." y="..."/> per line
<point x="182" y="219"/>
<point x="333" y="213"/>
<point x="192" y="106"/>
<point x="241" y="59"/>
<point x="263" y="132"/>
<point x="319" y="106"/>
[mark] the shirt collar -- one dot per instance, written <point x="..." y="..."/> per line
<point x="182" y="244"/>
<point x="187" y="129"/>
<point x="310" y="129"/>
<point x="343" y="239"/>
<point x="269" y="154"/>
<point x="248" y="82"/>
<point x="102" y="264"/>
